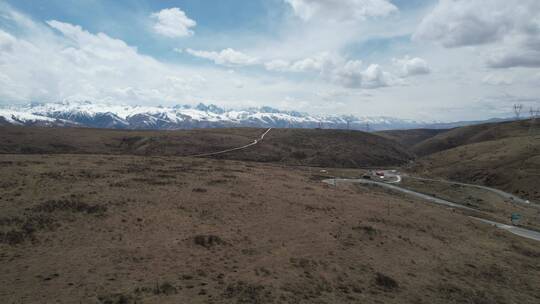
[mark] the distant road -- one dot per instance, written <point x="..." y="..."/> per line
<point x="533" y="235"/>
<point x="256" y="141"/>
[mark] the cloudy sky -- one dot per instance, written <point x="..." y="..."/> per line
<point x="420" y="59"/>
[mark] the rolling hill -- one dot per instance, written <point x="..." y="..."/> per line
<point x="470" y="135"/>
<point x="409" y="138"/>
<point x="329" y="148"/>
<point x="502" y="155"/>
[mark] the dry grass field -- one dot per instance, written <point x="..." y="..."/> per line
<point x="138" y="229"/>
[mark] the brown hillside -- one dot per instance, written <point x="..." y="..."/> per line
<point x="470" y="135"/>
<point x="332" y="148"/>
<point x="327" y="148"/>
<point x="511" y="164"/>
<point x="409" y="138"/>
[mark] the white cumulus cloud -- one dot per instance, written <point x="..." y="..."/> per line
<point x="227" y="57"/>
<point x="349" y="75"/>
<point x="345" y="73"/>
<point x="411" y="66"/>
<point x="6" y="41"/>
<point x="57" y="61"/>
<point x="509" y="29"/>
<point x="342" y="10"/>
<point x="318" y="63"/>
<point x="173" y="23"/>
<point x="278" y="65"/>
<point x="514" y="57"/>
<point x="457" y="23"/>
<point x="352" y="75"/>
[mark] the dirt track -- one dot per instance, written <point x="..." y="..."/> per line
<point x="256" y="141"/>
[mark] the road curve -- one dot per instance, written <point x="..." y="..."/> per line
<point x="530" y="234"/>
<point x="335" y="181"/>
<point x="256" y="141"/>
<point x="501" y="193"/>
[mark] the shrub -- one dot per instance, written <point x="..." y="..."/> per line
<point x="386" y="282"/>
<point x="207" y="241"/>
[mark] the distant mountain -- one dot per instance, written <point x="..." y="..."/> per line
<point x="94" y="115"/>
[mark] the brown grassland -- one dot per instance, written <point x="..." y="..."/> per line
<point x="136" y="229"/>
<point x="330" y="148"/>
<point x="121" y="217"/>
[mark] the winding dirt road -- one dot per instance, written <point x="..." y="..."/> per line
<point x="256" y="141"/>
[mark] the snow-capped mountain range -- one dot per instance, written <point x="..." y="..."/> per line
<point x="98" y="115"/>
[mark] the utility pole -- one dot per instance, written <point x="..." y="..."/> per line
<point x="535" y="114"/>
<point x="517" y="110"/>
<point x="348" y="119"/>
<point x="533" y="131"/>
<point x="367" y="127"/>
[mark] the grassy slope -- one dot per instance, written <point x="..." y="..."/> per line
<point x="132" y="229"/>
<point x="29" y="140"/>
<point x="332" y="148"/>
<point x="470" y="135"/>
<point x="327" y="148"/>
<point x="502" y="155"/>
<point x="409" y="138"/>
<point x="509" y="163"/>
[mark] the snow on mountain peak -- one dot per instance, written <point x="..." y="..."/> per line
<point x="103" y="115"/>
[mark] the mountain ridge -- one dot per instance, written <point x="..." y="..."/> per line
<point x="101" y="115"/>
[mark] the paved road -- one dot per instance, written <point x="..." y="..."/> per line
<point x="512" y="229"/>
<point x="256" y="141"/>
<point x="432" y="199"/>
<point x="501" y="193"/>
